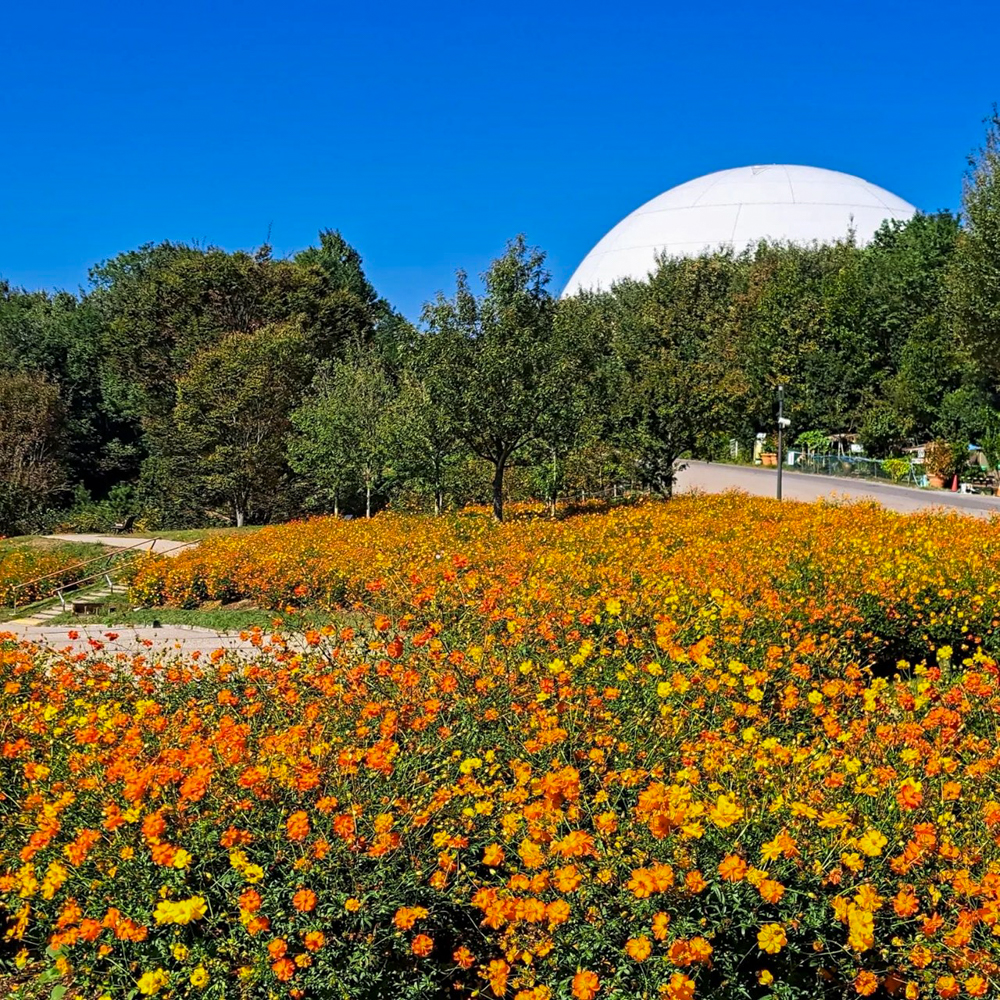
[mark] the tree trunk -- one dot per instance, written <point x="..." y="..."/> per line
<point x="336" y="506"/>
<point x="438" y="501"/>
<point x="239" y="517"/>
<point x="498" y="471"/>
<point x="555" y="484"/>
<point x="368" y="502"/>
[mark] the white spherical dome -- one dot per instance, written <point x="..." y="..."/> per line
<point x="738" y="208"/>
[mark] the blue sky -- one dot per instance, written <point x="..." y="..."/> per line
<point x="430" y="133"/>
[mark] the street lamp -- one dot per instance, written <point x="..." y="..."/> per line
<point x="783" y="422"/>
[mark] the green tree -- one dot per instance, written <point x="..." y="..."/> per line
<point x="32" y="472"/>
<point x="503" y="367"/>
<point x="975" y="274"/>
<point x="428" y="439"/>
<point x="348" y="431"/>
<point x="672" y="372"/>
<point x="59" y="336"/>
<point x="232" y="417"/>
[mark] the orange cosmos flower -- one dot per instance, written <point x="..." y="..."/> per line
<point x="250" y="900"/>
<point x="732" y="868"/>
<point x="770" y="890"/>
<point x="497" y="975"/>
<point x="905" y="902"/>
<point x="283" y="969"/>
<point x="422" y="945"/>
<point x="638" y="948"/>
<point x="661" y="926"/>
<point x="865" y="983"/>
<point x="910" y="794"/>
<point x="947" y="987"/>
<point x="304" y="900"/>
<point x="277" y="948"/>
<point x="407" y="916"/>
<point x="493" y="856"/>
<point x="585" y="985"/>
<point x="701" y="950"/>
<point x="352" y="905"/>
<point x="314" y="940"/>
<point x="976" y="986"/>
<point x="297" y="826"/>
<point x="464" y="958"/>
<point x="680" y="987"/>
<point x="694" y="882"/>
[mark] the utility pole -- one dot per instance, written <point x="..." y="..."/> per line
<point x="781" y="427"/>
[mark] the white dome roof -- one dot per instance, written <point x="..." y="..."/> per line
<point x="738" y="208"/>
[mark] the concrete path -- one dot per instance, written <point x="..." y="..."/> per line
<point x="714" y="477"/>
<point x="166" y="642"/>
<point x="161" y="546"/>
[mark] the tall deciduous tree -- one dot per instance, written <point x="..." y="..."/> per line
<point x="232" y="415"/>
<point x="503" y="368"/>
<point x="347" y="433"/>
<point x="672" y="372"/>
<point x="31" y="448"/>
<point x="975" y="274"/>
<point x="428" y="439"/>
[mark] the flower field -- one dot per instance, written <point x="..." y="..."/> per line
<point x="21" y="563"/>
<point x="713" y="748"/>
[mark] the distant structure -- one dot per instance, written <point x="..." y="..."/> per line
<point x="738" y="208"/>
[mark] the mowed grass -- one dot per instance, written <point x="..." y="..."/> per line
<point x="220" y="619"/>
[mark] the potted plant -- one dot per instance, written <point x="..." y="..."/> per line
<point x="939" y="461"/>
<point x="769" y="456"/>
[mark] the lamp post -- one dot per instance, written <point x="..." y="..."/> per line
<point x="783" y="422"/>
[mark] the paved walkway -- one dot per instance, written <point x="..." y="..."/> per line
<point x="161" y="546"/>
<point x="714" y="477"/>
<point x="166" y="642"/>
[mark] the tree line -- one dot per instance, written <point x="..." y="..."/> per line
<point x="188" y="385"/>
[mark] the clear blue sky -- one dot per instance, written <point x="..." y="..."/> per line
<point x="429" y="133"/>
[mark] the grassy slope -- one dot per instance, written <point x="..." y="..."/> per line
<point x="29" y="557"/>
<point x="222" y="619"/>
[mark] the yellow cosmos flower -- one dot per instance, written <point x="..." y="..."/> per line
<point x="872" y="842"/>
<point x="771" y="938"/>
<point x="199" y="977"/>
<point x="150" y="983"/>
<point x="183" y="911"/>
<point x="725" y="812"/>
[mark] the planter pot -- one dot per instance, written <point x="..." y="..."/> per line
<point x="937" y="482"/>
<point x="769" y="458"/>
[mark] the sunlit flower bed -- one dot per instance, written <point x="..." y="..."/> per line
<point x="665" y="751"/>
<point x="22" y="565"/>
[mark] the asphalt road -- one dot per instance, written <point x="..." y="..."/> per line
<point x="714" y="477"/>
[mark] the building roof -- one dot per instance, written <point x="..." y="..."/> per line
<point x="738" y="208"/>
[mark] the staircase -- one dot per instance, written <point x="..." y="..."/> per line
<point x="42" y="612"/>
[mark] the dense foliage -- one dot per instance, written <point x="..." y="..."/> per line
<point x="713" y="748"/>
<point x="196" y="386"/>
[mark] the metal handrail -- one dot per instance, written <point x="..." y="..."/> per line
<point x="108" y="556"/>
